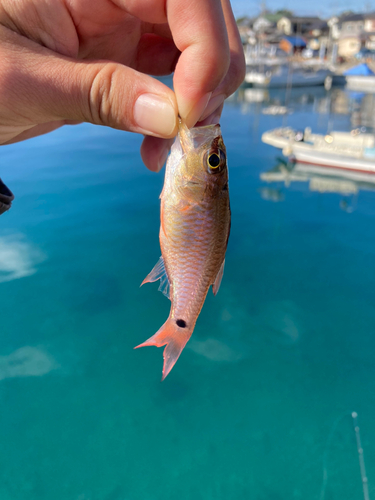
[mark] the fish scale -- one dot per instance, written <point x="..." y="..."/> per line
<point x="194" y="231"/>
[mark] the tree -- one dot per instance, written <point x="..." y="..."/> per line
<point x="285" y="12"/>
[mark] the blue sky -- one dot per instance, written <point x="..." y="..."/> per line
<point x="324" y="8"/>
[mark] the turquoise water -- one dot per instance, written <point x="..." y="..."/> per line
<point x="259" y="402"/>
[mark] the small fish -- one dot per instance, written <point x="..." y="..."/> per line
<point x="194" y="231"/>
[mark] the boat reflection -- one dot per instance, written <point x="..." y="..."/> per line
<point x="320" y="179"/>
<point x="360" y="106"/>
<point x="298" y="96"/>
<point x="271" y="194"/>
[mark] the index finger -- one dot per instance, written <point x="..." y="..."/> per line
<point x="199" y="32"/>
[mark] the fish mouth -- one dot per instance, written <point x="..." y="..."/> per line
<point x="6" y="197"/>
<point x="194" y="137"/>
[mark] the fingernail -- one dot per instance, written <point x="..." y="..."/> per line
<point x="155" y="115"/>
<point x="163" y="158"/>
<point x="191" y="113"/>
<point x="212" y="105"/>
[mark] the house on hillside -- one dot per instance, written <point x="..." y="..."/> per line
<point x="356" y="32"/>
<point x="302" y="26"/>
<point x="369" y="22"/>
<point x="369" y="29"/>
<point x="352" y="24"/>
<point x="266" y="23"/>
<point x="349" y="46"/>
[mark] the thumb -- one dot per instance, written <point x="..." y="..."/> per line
<point x="39" y="86"/>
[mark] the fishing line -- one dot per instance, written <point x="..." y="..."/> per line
<point x="361" y="459"/>
<point x="354" y="416"/>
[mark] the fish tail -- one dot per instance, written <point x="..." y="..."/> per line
<point x="175" y="339"/>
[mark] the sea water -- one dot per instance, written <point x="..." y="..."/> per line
<point x="259" y="404"/>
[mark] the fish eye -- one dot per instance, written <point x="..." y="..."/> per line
<point x="215" y="160"/>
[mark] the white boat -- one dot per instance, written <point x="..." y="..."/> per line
<point x="282" y="76"/>
<point x="360" y="83"/>
<point x="353" y="151"/>
<point x="360" y="78"/>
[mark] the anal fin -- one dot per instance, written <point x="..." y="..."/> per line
<point x="159" y="273"/>
<point x="219" y="277"/>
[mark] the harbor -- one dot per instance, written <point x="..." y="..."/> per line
<point x="283" y="50"/>
<point x="285" y="53"/>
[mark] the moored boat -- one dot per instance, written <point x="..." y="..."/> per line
<point x="361" y="83"/>
<point x="360" y="78"/>
<point x="353" y="151"/>
<point x="284" y="75"/>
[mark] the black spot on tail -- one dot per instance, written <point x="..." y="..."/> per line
<point x="181" y="323"/>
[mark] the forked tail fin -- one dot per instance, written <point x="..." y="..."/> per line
<point x="175" y="339"/>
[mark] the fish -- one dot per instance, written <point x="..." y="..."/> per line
<point x="194" y="230"/>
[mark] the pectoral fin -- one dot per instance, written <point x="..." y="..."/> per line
<point x="219" y="277"/>
<point x="159" y="273"/>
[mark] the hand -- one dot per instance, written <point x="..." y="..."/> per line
<point x="68" y="61"/>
